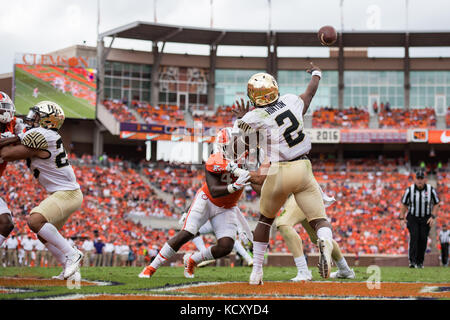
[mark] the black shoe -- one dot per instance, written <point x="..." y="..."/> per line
<point x="412" y="265"/>
<point x="419" y="266"/>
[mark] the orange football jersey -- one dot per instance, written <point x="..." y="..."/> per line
<point x="9" y="128"/>
<point x="217" y="165"/>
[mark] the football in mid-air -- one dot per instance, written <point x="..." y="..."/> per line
<point x="327" y="35"/>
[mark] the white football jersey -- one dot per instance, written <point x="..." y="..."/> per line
<point x="282" y="126"/>
<point x="55" y="172"/>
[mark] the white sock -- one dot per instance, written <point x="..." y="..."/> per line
<point x="2" y="239"/>
<point x="202" y="255"/>
<point x="241" y="250"/>
<point x="259" y="249"/>
<point x="164" y="254"/>
<point x="59" y="256"/>
<point x="50" y="234"/>
<point x="325" y="232"/>
<point x="199" y="243"/>
<point x="342" y="264"/>
<point x="301" y="264"/>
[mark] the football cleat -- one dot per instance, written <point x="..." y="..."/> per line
<point x="147" y="272"/>
<point x="325" y="248"/>
<point x="256" y="278"/>
<point x="73" y="263"/>
<point x="343" y="274"/>
<point x="205" y="263"/>
<point x="304" y="275"/>
<point x="189" y="265"/>
<point x="59" y="276"/>
<point x="76" y="276"/>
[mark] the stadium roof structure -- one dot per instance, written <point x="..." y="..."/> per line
<point x="168" y="33"/>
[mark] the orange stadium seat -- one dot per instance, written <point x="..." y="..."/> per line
<point x="347" y="118"/>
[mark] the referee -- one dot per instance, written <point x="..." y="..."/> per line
<point x="420" y="204"/>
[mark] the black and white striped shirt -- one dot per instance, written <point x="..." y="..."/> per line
<point x="444" y="236"/>
<point x="420" y="202"/>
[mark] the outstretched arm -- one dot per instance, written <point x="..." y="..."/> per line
<point x="19" y="152"/>
<point x="8" y="141"/>
<point x="312" y="86"/>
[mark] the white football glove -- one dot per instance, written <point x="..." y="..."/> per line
<point x="240" y="183"/>
<point x="20" y="126"/>
<point x="7" y="134"/>
<point x="234" y="169"/>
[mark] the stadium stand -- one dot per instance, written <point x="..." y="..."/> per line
<point x="413" y="118"/>
<point x="162" y="114"/>
<point x="120" y="111"/>
<point x="222" y="117"/>
<point x="362" y="217"/>
<point x="334" y="118"/>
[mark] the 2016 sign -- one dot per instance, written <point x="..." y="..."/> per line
<point x="324" y="135"/>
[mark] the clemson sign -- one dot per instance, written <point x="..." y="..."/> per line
<point x="53" y="60"/>
<point x="438" y="136"/>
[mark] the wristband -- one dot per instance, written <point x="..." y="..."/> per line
<point x="317" y="73"/>
<point x="231" y="188"/>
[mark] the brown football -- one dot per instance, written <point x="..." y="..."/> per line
<point x="327" y="35"/>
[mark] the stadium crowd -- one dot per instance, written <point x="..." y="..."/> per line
<point x="324" y="117"/>
<point x="413" y="118"/>
<point x="120" y="111"/>
<point x="367" y="200"/>
<point x="354" y="117"/>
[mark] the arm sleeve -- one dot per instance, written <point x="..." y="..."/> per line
<point x="406" y="197"/>
<point x="35" y="140"/>
<point x="434" y="196"/>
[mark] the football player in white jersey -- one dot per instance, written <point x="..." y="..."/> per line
<point x="279" y="120"/>
<point x="43" y="148"/>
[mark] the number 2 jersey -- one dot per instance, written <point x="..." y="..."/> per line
<point x="282" y="124"/>
<point x="217" y="165"/>
<point x="53" y="173"/>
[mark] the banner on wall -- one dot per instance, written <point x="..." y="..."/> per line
<point x="438" y="136"/>
<point x="374" y="136"/>
<point x="323" y="135"/>
<point x="418" y="135"/>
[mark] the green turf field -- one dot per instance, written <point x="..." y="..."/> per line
<point x="127" y="281"/>
<point x="73" y="107"/>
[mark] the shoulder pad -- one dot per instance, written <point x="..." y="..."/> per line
<point x="35" y="139"/>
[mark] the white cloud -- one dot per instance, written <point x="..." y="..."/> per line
<point x="47" y="25"/>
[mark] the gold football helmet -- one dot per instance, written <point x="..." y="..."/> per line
<point x="46" y="114"/>
<point x="262" y="89"/>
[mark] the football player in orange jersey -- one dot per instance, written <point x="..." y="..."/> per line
<point x="216" y="201"/>
<point x="10" y="128"/>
